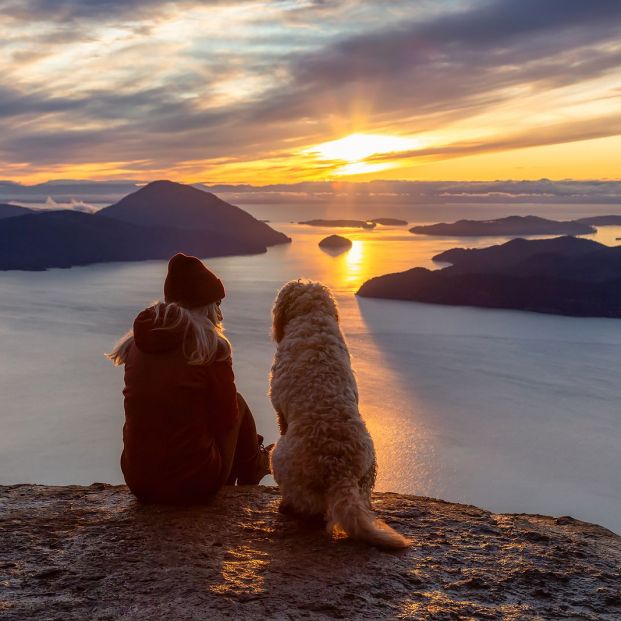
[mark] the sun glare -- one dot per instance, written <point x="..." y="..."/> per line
<point x="352" y="150"/>
<point x="357" y="147"/>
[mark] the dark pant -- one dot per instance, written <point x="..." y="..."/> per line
<point x="239" y="450"/>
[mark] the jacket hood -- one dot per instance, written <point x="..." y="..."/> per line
<point x="150" y="335"/>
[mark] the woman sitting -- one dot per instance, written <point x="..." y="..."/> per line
<point x="187" y="430"/>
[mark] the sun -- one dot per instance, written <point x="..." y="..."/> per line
<point x="352" y="150"/>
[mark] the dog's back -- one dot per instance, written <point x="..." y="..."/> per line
<point x="325" y="461"/>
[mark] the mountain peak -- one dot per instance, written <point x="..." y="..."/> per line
<point x="166" y="186"/>
<point x="165" y="203"/>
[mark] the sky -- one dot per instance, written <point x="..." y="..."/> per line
<point x="293" y="91"/>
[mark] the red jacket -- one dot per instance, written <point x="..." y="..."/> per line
<point x="173" y="413"/>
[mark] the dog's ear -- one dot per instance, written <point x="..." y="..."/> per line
<point x="279" y="312"/>
<point x="331" y="301"/>
<point x="336" y="310"/>
<point x="278" y="323"/>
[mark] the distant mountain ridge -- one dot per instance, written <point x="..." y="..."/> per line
<point x="209" y="227"/>
<point x="565" y="276"/>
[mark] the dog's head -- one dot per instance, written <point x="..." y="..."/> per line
<point x="298" y="298"/>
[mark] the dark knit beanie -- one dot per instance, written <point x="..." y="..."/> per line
<point x="190" y="284"/>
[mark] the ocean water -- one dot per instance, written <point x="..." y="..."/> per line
<point x="511" y="411"/>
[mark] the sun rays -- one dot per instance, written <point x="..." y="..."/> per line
<point x="348" y="155"/>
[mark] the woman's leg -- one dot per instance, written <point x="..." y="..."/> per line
<point x="241" y="457"/>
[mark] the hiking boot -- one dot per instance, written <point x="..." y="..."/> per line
<point x="264" y="458"/>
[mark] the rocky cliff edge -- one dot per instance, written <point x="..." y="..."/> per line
<point x="69" y="553"/>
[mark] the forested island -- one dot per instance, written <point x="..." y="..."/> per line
<point x="335" y="242"/>
<point x="353" y="224"/>
<point x="511" y="225"/>
<point x="610" y="220"/>
<point x="154" y="222"/>
<point x="564" y="276"/>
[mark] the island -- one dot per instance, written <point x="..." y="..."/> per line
<point x="155" y="222"/>
<point x="93" y="552"/>
<point x="169" y="204"/>
<point x="511" y="225"/>
<point x="335" y="242"/>
<point x="563" y="276"/>
<point x="353" y="224"/>
<point x="610" y="220"/>
<point x="389" y="221"/>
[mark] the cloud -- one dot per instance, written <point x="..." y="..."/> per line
<point x="410" y="193"/>
<point x="80" y="194"/>
<point x="88" y="10"/>
<point x="470" y="56"/>
<point x="177" y="88"/>
<point x="558" y="133"/>
<point x="73" y="205"/>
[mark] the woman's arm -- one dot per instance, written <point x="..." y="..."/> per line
<point x="225" y="396"/>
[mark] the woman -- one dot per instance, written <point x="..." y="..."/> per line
<point x="187" y="431"/>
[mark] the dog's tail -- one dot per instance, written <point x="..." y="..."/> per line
<point x="348" y="512"/>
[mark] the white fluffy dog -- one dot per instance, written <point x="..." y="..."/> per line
<point x="324" y="461"/>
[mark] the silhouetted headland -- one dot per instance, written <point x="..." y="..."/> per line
<point x="564" y="276"/>
<point x="154" y="222"/>
<point x="511" y="225"/>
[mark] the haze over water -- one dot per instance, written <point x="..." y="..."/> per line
<point x="511" y="411"/>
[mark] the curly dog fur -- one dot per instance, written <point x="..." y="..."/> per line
<point x="324" y="461"/>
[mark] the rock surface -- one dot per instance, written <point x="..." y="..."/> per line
<point x="75" y="553"/>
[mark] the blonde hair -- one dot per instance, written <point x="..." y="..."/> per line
<point x="203" y="338"/>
